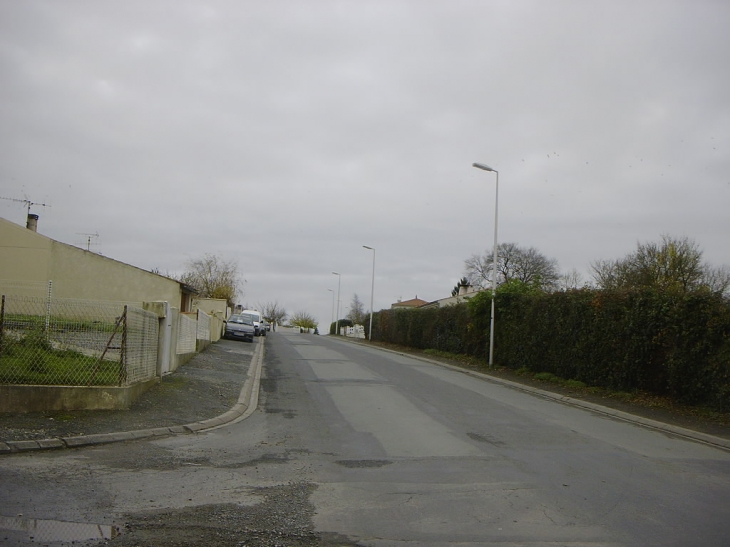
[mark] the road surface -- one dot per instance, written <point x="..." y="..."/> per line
<point x="352" y="445"/>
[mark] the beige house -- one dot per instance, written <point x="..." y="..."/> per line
<point x="40" y="268"/>
<point x="466" y="292"/>
<point x="408" y="304"/>
<point x="32" y="264"/>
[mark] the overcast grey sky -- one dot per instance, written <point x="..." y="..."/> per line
<point x="285" y="135"/>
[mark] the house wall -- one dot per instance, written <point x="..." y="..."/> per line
<point x="28" y="260"/>
<point x="77" y="273"/>
<point x="24" y="259"/>
<point x="212" y="306"/>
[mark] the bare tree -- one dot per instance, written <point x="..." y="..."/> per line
<point x="213" y="277"/>
<point x="273" y="312"/>
<point x="357" y="311"/>
<point x="513" y="262"/>
<point x="571" y="280"/>
<point x="718" y="279"/>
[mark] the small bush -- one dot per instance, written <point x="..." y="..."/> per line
<point x="547" y="377"/>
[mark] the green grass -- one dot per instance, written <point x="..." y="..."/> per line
<point x="33" y="361"/>
<point x="458" y="357"/>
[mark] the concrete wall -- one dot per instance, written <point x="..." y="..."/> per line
<point x="212" y="306"/>
<point x="77" y="273"/>
<point x="24" y="258"/>
<point x="28" y="260"/>
<point x="20" y="399"/>
<point x="218" y="310"/>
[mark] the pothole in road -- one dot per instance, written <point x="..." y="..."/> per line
<point x="282" y="519"/>
<point x="22" y="530"/>
<point x="288" y="414"/>
<point x="266" y="458"/>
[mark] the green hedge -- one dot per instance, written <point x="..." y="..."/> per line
<point x="676" y="345"/>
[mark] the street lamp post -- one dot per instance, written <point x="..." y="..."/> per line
<point x="337" y="319"/>
<point x="333" y="305"/>
<point x="494" y="265"/>
<point x="372" y="293"/>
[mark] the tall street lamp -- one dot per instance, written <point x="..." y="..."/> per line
<point x="333" y="306"/>
<point x="494" y="265"/>
<point x="372" y="292"/>
<point x="337" y="320"/>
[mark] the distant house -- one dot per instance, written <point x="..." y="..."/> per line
<point x="32" y="264"/>
<point x="408" y="304"/>
<point x="465" y="293"/>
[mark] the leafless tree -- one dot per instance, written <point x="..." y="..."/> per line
<point x="571" y="280"/>
<point x="513" y="262"/>
<point x="357" y="311"/>
<point x="213" y="277"/>
<point x="273" y="312"/>
<point x="718" y="279"/>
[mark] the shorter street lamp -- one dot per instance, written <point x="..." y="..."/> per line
<point x="337" y="320"/>
<point x="372" y="292"/>
<point x="333" y="306"/>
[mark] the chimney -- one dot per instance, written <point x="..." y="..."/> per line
<point x="32" y="223"/>
<point x="464" y="289"/>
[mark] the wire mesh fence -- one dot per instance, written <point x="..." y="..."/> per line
<point x="46" y="341"/>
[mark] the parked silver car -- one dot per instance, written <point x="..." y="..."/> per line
<point x="240" y="327"/>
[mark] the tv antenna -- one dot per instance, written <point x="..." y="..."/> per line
<point x="88" y="238"/>
<point x="27" y="202"/>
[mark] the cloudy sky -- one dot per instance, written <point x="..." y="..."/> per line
<point x="285" y="135"/>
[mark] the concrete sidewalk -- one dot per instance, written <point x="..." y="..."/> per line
<point x="217" y="387"/>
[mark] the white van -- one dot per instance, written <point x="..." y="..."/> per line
<point x="259" y="329"/>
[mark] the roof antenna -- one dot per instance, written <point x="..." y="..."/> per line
<point x="88" y="238"/>
<point x="27" y="202"/>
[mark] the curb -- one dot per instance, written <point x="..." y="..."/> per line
<point x="697" y="436"/>
<point x="246" y="405"/>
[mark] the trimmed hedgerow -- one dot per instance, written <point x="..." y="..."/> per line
<point x="671" y="344"/>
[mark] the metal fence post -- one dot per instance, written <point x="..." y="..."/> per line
<point x="123" y="350"/>
<point x="2" y="322"/>
<point x="48" y="304"/>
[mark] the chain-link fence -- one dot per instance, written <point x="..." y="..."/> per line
<point x="47" y="341"/>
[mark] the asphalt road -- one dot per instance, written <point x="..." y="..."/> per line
<point x="351" y="445"/>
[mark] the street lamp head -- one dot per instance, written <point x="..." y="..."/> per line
<point x="483" y="167"/>
<point x="336" y="273"/>
<point x="366" y="247"/>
